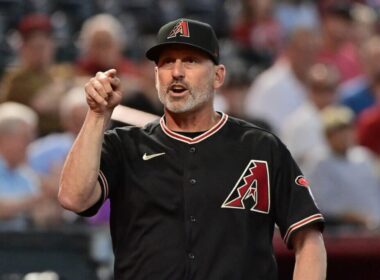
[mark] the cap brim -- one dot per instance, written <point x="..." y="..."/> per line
<point x="154" y="52"/>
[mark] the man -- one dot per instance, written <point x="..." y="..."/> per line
<point x="47" y="154"/>
<point x="362" y="93"/>
<point x="35" y="80"/>
<point x="102" y="40"/>
<point x="19" y="186"/>
<point x="196" y="194"/>
<point x="337" y="46"/>
<point x="322" y="82"/>
<point x="338" y="174"/>
<point x="281" y="89"/>
<point x="368" y="128"/>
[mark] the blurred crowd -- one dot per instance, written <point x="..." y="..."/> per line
<point x="309" y="71"/>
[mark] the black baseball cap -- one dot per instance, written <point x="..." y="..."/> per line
<point x="188" y="32"/>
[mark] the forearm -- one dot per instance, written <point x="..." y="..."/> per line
<point x="78" y="185"/>
<point x="311" y="260"/>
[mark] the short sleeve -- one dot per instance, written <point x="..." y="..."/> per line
<point x="294" y="202"/>
<point x="109" y="171"/>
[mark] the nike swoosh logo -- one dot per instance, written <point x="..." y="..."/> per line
<point x="148" y="157"/>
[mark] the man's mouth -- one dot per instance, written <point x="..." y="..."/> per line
<point x="177" y="89"/>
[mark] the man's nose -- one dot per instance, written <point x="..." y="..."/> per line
<point x="178" y="69"/>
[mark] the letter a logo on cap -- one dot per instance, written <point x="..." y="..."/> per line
<point x="181" y="28"/>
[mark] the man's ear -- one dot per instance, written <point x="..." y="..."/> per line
<point x="220" y="74"/>
<point x="156" y="77"/>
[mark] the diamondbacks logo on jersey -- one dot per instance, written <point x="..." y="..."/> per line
<point x="181" y="28"/>
<point x="301" y="181"/>
<point x="251" y="189"/>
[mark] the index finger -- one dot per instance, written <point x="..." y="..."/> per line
<point x="110" y="73"/>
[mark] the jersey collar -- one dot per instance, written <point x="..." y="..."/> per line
<point x="197" y="139"/>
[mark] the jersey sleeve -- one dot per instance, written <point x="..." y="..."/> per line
<point x="295" y="207"/>
<point x="110" y="166"/>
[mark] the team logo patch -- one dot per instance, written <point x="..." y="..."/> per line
<point x="301" y="181"/>
<point x="181" y="28"/>
<point x="252" y="190"/>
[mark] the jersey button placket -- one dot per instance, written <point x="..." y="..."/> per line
<point x="191" y="192"/>
<point x="191" y="256"/>
<point x="193" y="219"/>
<point x="192" y="150"/>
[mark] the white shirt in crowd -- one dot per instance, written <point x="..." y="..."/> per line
<point x="303" y="134"/>
<point x="274" y="95"/>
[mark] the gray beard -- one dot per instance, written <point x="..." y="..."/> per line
<point x="190" y="104"/>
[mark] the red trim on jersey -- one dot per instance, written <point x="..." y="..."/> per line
<point x="197" y="139"/>
<point x="104" y="184"/>
<point x="300" y="224"/>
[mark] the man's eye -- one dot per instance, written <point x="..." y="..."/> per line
<point x="166" y="62"/>
<point x="190" y="60"/>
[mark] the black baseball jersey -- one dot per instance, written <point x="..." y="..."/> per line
<point x="203" y="207"/>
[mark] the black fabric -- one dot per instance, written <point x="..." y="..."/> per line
<point x="94" y="209"/>
<point x="179" y="216"/>
<point x="190" y="134"/>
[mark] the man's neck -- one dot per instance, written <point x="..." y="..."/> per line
<point x="191" y="121"/>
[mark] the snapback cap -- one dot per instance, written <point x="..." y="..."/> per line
<point x="189" y="32"/>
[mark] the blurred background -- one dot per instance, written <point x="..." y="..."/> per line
<point x="309" y="71"/>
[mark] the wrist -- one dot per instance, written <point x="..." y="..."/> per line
<point x="99" y="119"/>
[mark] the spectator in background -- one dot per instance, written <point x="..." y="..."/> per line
<point x="36" y="71"/>
<point x="258" y="33"/>
<point x="337" y="41"/>
<point x="295" y="13"/>
<point x="280" y="90"/>
<point x="368" y="122"/>
<point x="368" y="129"/>
<point x="364" y="23"/>
<point x="19" y="186"/>
<point x="323" y="4"/>
<point x="303" y="130"/>
<point x="47" y="154"/>
<point x="102" y="41"/>
<point x="362" y="95"/>
<point x="143" y="98"/>
<point x="364" y="27"/>
<point x="230" y="98"/>
<point x="343" y="179"/>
